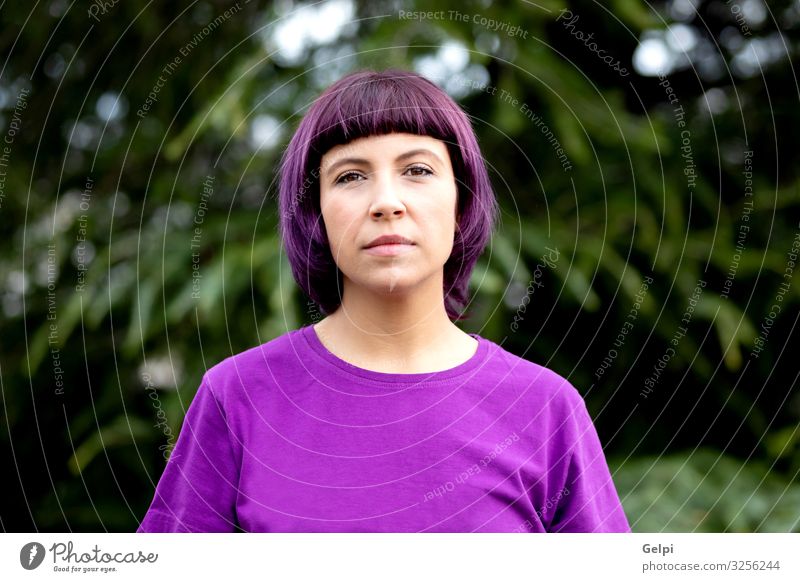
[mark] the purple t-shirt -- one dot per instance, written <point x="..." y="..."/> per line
<point x="287" y="437"/>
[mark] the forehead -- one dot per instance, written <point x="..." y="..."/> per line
<point x="388" y="145"/>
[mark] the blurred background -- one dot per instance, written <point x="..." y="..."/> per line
<point x="645" y="155"/>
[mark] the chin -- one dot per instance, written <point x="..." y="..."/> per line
<point x="392" y="281"/>
<point x="393" y="288"/>
<point x="389" y="285"/>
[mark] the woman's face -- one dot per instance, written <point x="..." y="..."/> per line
<point x="394" y="184"/>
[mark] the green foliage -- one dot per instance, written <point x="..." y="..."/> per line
<point x="706" y="491"/>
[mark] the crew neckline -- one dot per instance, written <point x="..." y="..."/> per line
<point x="312" y="339"/>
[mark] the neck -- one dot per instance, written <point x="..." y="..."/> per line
<point x="391" y="329"/>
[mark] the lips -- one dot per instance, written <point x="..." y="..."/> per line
<point x="390" y="239"/>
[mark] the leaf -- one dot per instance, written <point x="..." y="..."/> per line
<point x="733" y="329"/>
<point x="123" y="430"/>
<point x="141" y="308"/>
<point x="781" y="444"/>
<point x="634" y="14"/>
<point x="578" y="285"/>
<point x="510" y="259"/>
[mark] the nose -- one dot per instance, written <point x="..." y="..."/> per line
<point x="386" y="203"/>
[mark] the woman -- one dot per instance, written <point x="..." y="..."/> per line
<point x="384" y="416"/>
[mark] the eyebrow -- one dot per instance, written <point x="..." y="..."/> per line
<point x="400" y="158"/>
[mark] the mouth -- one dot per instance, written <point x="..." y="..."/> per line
<point x="389" y="250"/>
<point x="389" y="240"/>
<point x="389" y="246"/>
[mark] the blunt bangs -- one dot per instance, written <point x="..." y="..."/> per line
<point x="370" y="103"/>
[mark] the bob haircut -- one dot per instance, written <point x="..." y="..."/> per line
<point x="369" y="103"/>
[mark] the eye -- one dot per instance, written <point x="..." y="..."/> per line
<point x="419" y="170"/>
<point x="344" y="178"/>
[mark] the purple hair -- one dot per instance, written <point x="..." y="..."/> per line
<point x="368" y="103"/>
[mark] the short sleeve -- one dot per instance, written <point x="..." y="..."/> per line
<point x="588" y="500"/>
<point x="197" y="491"/>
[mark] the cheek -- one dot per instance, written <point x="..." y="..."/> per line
<point x="446" y="211"/>
<point x="339" y="226"/>
<point x="440" y="225"/>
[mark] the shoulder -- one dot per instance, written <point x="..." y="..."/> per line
<point x="549" y="406"/>
<point x="254" y="366"/>
<point x="544" y="386"/>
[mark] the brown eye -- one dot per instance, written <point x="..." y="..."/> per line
<point x="419" y="171"/>
<point x="344" y="178"/>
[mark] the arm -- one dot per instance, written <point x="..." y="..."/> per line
<point x="588" y="501"/>
<point x="197" y="491"/>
